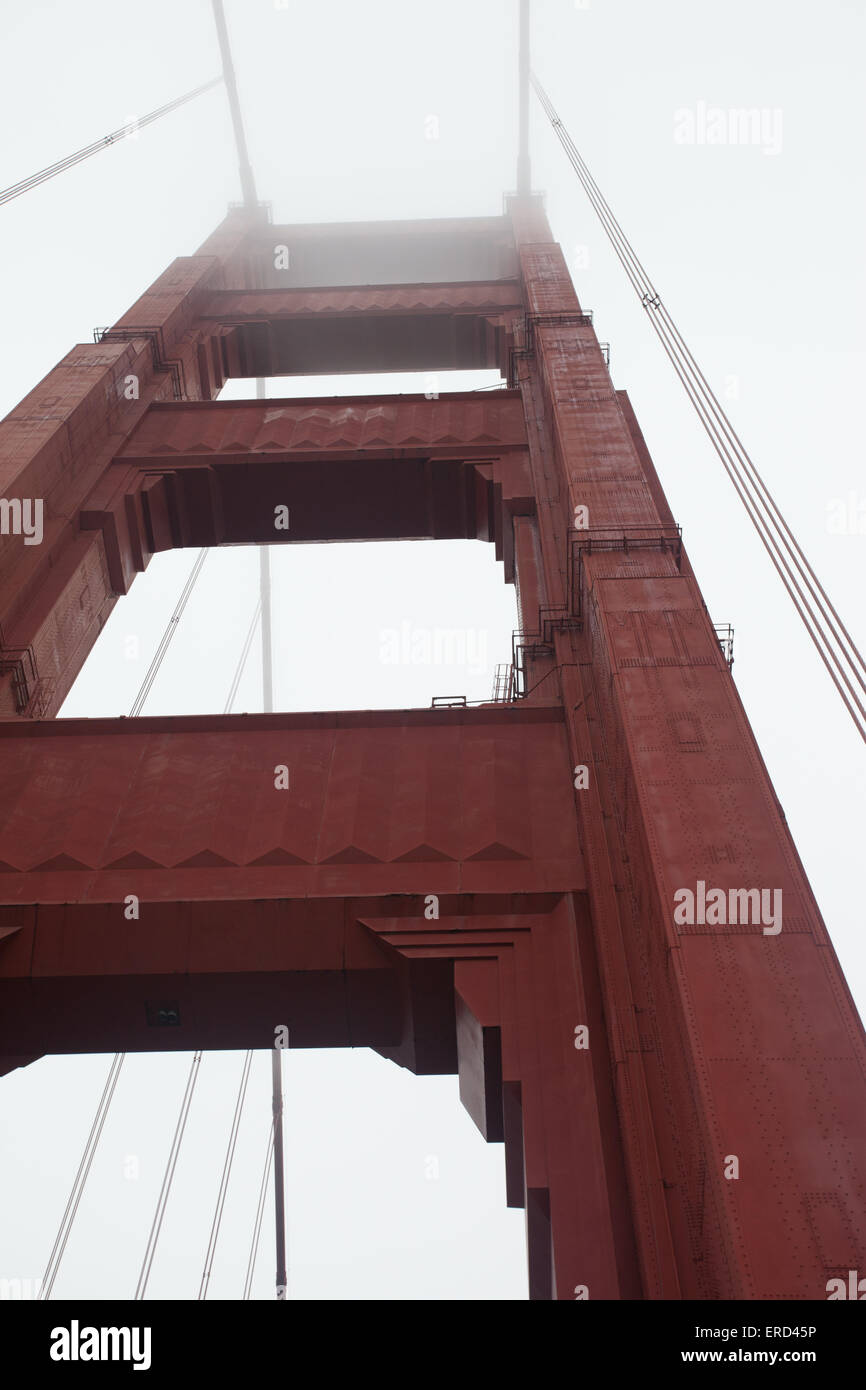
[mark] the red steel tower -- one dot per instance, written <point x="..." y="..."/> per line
<point x="582" y="897"/>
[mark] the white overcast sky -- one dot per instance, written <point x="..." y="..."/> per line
<point x="391" y="1191"/>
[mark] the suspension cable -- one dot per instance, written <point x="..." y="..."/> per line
<point x="168" y="1178"/>
<point x="168" y="634"/>
<point x="226" y="1174"/>
<point x="34" y="180"/>
<point x="81" y="1177"/>
<point x="248" y="187"/>
<point x="260" y="1211"/>
<point x="828" y="633"/>
<point x="242" y="661"/>
<point x="104" y="1105"/>
<point x="86" y="1162"/>
<point x="652" y="301"/>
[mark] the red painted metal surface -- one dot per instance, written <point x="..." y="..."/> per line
<point x="460" y="424"/>
<point x="467" y="796"/>
<point x="235" y="306"/>
<point x="707" y="1041"/>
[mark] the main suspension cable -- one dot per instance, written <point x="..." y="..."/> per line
<point x="651" y="301"/>
<point x="828" y="633"/>
<point x="15" y="190"/>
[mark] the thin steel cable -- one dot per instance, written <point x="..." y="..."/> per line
<point x="226" y="1174"/>
<point x="156" y="1225"/>
<point x="805" y="615"/>
<point x="260" y="1211"/>
<point x="778" y="561"/>
<point x="652" y="303"/>
<point x="789" y="540"/>
<point x="763" y="512"/>
<point x="758" y="519"/>
<point x="59" y="1247"/>
<point x="168" y="635"/>
<point x="15" y="190"/>
<point x="168" y="1178"/>
<point x="239" y="669"/>
<point x="104" y="1105"/>
<point x="7" y="195"/>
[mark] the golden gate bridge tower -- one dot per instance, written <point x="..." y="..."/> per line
<point x="582" y="896"/>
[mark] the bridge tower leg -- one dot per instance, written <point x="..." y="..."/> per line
<point x="583" y="899"/>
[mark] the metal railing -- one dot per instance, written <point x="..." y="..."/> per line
<point x="725" y="635"/>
